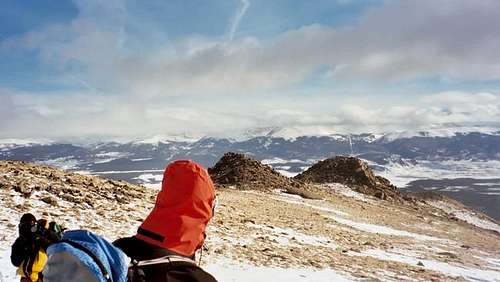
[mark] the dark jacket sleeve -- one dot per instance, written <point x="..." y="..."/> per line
<point x="21" y="249"/>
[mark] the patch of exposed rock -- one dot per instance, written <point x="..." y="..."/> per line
<point x="245" y="173"/>
<point x="352" y="172"/>
<point x="52" y="185"/>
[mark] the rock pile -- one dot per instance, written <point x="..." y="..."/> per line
<point x="245" y="173"/>
<point x="110" y="208"/>
<point x="352" y="172"/>
<point x="52" y="185"/>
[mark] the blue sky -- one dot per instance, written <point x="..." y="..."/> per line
<point x="136" y="68"/>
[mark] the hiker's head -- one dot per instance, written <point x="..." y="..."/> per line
<point x="182" y="211"/>
<point x="27" y="224"/>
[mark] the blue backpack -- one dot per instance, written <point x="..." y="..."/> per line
<point x="84" y="256"/>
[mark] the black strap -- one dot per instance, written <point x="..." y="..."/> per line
<point x="135" y="273"/>
<point x="91" y="255"/>
<point x="150" y="234"/>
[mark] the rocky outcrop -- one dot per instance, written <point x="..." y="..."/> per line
<point x="352" y="172"/>
<point x="52" y="185"/>
<point x="242" y="172"/>
<point x="273" y="230"/>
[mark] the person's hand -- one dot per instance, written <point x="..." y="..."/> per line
<point x="48" y="234"/>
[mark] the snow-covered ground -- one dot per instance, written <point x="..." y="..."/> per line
<point x="469" y="273"/>
<point x="286" y="236"/>
<point x="380" y="229"/>
<point x="338" y="228"/>
<point x="224" y="271"/>
<point x="343" y="218"/>
<point x="65" y="162"/>
<point x="470" y="217"/>
<point x="230" y="271"/>
<point x="106" y="157"/>
<point x="13" y="143"/>
<point x="440" y="132"/>
<point x="287" y="173"/>
<point x="401" y="174"/>
<point x="274" y="161"/>
<point x="348" y="192"/>
<point x="7" y="272"/>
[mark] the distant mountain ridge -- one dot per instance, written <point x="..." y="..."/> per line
<point x="150" y="154"/>
<point x="405" y="158"/>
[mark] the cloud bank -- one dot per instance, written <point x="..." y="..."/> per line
<point x="62" y="116"/>
<point x="131" y="86"/>
<point x="400" y="40"/>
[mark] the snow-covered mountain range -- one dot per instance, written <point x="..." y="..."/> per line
<point x="280" y="148"/>
<point x="402" y="157"/>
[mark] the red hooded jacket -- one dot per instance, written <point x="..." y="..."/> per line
<point x="182" y="210"/>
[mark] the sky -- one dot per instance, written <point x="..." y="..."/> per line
<point x="138" y="68"/>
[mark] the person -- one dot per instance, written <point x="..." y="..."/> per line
<point x="165" y="244"/>
<point x="27" y="252"/>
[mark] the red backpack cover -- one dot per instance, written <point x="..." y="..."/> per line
<point x="182" y="210"/>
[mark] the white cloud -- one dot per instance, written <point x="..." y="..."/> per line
<point x="86" y="114"/>
<point x="130" y="90"/>
<point x="399" y="40"/>
<point x="440" y="108"/>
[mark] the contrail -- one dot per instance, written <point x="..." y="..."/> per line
<point x="237" y="18"/>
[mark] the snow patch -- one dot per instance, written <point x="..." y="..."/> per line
<point x="471" y="274"/>
<point x="280" y="161"/>
<point x="381" y="229"/>
<point x="64" y="163"/>
<point x="443" y="132"/>
<point x="291" y="199"/>
<point x="286" y="236"/>
<point x="467" y="216"/>
<point x="12" y="142"/>
<point x="231" y="271"/>
<point x="7" y="271"/>
<point x="141" y="159"/>
<point x="293" y="132"/>
<point x="111" y="154"/>
<point x="287" y="173"/>
<point x="348" y="192"/>
<point x="154" y="186"/>
<point x="149" y="177"/>
<point x="401" y="174"/>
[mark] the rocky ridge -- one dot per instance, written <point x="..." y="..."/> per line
<point x="359" y="236"/>
<point x="352" y="172"/>
<point x="56" y="193"/>
<point x="243" y="172"/>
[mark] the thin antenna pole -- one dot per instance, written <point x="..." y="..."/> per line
<point x="350" y="145"/>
